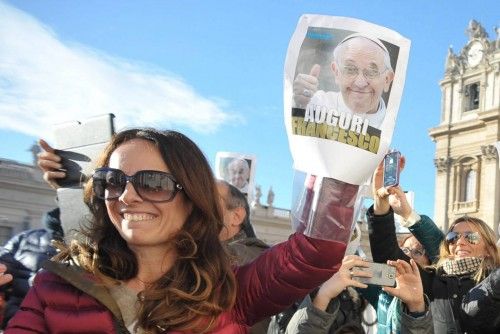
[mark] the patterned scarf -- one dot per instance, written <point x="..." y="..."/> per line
<point x="467" y="265"/>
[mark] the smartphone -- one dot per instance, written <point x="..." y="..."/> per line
<point x="382" y="274"/>
<point x="391" y="169"/>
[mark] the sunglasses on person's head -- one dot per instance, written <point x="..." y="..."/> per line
<point x="472" y="237"/>
<point x="413" y="251"/>
<point x="150" y="185"/>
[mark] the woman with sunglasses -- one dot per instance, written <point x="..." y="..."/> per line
<point x="150" y="259"/>
<point x="468" y="261"/>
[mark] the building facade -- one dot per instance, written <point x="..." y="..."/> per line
<point x="272" y="225"/>
<point x="466" y="158"/>
<point x="24" y="198"/>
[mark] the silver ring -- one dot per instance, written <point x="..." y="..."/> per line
<point x="307" y="93"/>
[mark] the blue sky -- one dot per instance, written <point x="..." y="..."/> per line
<point x="210" y="69"/>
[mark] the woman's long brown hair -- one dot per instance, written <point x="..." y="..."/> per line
<point x="200" y="285"/>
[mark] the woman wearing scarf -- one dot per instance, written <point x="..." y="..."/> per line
<point x="463" y="287"/>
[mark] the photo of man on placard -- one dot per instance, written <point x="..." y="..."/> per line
<point x="238" y="173"/>
<point x="237" y="169"/>
<point x="352" y="78"/>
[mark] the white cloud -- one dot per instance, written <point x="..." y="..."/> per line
<point x="44" y="81"/>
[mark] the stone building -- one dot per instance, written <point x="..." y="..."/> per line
<point x="24" y="198"/>
<point x="466" y="160"/>
<point x="272" y="225"/>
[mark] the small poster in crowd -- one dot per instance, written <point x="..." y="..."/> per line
<point x="238" y="169"/>
<point x="343" y="84"/>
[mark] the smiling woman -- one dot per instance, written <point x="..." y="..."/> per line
<point x="150" y="260"/>
<point x="469" y="240"/>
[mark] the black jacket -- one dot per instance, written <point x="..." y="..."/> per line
<point x="23" y="255"/>
<point x="480" y="309"/>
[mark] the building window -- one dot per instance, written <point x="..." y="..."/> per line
<point x="471" y="94"/>
<point x="466" y="178"/>
<point x="470" y="186"/>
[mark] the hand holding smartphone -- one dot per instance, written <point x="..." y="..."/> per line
<point x="79" y="145"/>
<point x="382" y="274"/>
<point x="392" y="169"/>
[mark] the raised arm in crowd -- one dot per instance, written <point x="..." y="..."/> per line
<point x="462" y="285"/>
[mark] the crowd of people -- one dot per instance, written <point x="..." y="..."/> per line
<point x="167" y="248"/>
<point x="170" y="249"/>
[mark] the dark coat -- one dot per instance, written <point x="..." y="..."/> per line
<point x="244" y="250"/>
<point x="481" y="306"/>
<point x="23" y="255"/>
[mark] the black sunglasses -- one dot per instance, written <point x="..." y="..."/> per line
<point x="150" y="185"/>
<point x="472" y="237"/>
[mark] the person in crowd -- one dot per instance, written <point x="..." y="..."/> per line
<point x="238" y="234"/>
<point x="348" y="304"/>
<point x="389" y="309"/>
<point x="362" y="70"/>
<point x="321" y="315"/>
<point x="326" y="310"/>
<point x="468" y="264"/>
<point x="150" y="259"/>
<point x="480" y="308"/>
<point x="238" y="171"/>
<point x="414" y="249"/>
<point x="23" y="256"/>
<point x="422" y="246"/>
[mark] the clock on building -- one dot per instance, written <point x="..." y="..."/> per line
<point x="475" y="53"/>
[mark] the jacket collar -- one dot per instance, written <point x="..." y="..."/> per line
<point x="86" y="282"/>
